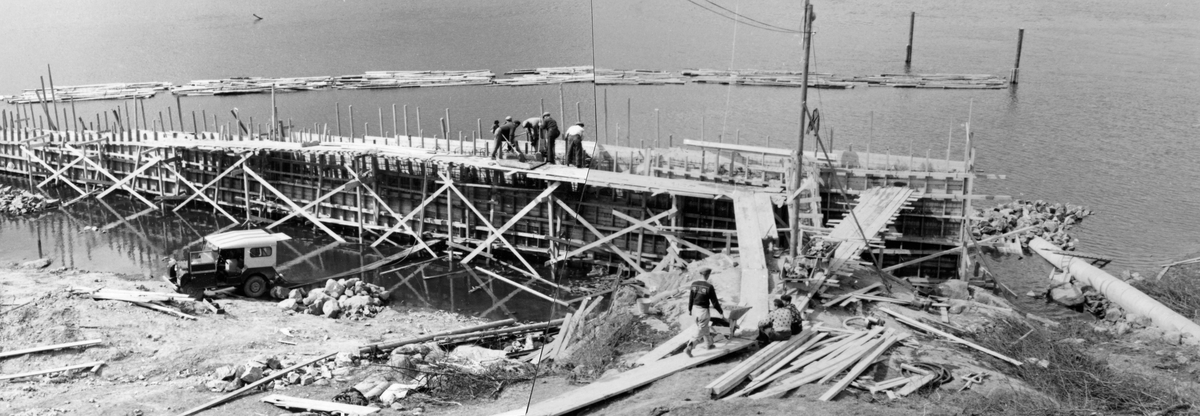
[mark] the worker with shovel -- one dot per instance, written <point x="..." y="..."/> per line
<point x="704" y="296"/>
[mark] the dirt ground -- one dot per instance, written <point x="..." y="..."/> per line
<point x="157" y="364"/>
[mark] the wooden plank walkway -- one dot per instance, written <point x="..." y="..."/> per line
<point x="598" y="391"/>
<point x="754" y="214"/>
<point x="876" y="208"/>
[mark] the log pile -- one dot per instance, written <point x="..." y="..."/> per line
<point x="21" y="202"/>
<point x="756" y="77"/>
<point x="251" y="85"/>
<point x="114" y="91"/>
<point x="368" y="80"/>
<point x="932" y="81"/>
<point x="602" y="76"/>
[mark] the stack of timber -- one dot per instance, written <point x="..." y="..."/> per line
<point x="933" y="81"/>
<point x="475" y="334"/>
<point x="114" y="91"/>
<point x="251" y="85"/>
<point x="757" y="77"/>
<point x="150" y="300"/>
<point x="601" y="76"/>
<point x="409" y="79"/>
<point x="573" y="330"/>
<point x="841" y="359"/>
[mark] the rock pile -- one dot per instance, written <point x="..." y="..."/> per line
<point x="232" y="377"/>
<point x="1055" y="220"/>
<point x="21" y="202"/>
<point x="345" y="298"/>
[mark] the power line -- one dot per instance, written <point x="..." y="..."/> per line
<point x="744" y="17"/>
<point x="753" y="25"/>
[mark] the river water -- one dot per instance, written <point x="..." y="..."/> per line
<point x="1106" y="113"/>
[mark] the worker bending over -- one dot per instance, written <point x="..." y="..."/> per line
<point x="550" y="135"/>
<point x="504" y="136"/>
<point x="533" y="131"/>
<point x="575" y="155"/>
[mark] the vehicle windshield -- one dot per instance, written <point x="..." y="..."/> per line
<point x="202" y="257"/>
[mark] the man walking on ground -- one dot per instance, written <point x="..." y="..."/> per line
<point x="777" y="326"/>
<point x="533" y="131"/>
<point x="702" y="295"/>
<point x="504" y="136"/>
<point x="575" y="155"/>
<point x="550" y="134"/>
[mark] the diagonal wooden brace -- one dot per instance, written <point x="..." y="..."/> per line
<point x="634" y="227"/>
<point x="289" y="202"/>
<point x="347" y="185"/>
<point x="511" y="222"/>
<point x="483" y="220"/>
<point x="407" y="230"/>
<point x="660" y="231"/>
<point x="59" y="172"/>
<point x="39" y="160"/>
<point x="199" y="192"/>
<point x="403" y="224"/>
<point x="105" y="172"/>
<point x="132" y="175"/>
<point x="612" y="247"/>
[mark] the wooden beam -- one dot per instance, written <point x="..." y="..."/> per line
<point x="29" y="154"/>
<point x="612" y="247"/>
<point x="289" y="402"/>
<point x="863" y="363"/>
<point x="14" y="353"/>
<point x="511" y="222"/>
<point x="254" y="385"/>
<point x="314" y="202"/>
<point x="200" y="193"/>
<point x="403" y="224"/>
<point x="488" y="224"/>
<point x="636" y="225"/>
<point x="497" y="276"/>
<point x="958" y="249"/>
<point x="127" y="178"/>
<point x="932" y="330"/>
<point x="54" y="370"/>
<point x="289" y="202"/>
<point x="59" y="172"/>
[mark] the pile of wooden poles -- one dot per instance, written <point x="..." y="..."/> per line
<point x="150" y="300"/>
<point x="574" y="329"/>
<point x="368" y="80"/>
<point x="601" y="76"/>
<point x="113" y="91"/>
<point x="756" y="77"/>
<point x="817" y="356"/>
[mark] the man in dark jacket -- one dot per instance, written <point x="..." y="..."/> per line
<point x="704" y="296"/>
<point x="533" y="131"/>
<point x="550" y="134"/>
<point x="504" y="136"/>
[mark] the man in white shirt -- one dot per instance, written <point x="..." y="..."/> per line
<point x="575" y="155"/>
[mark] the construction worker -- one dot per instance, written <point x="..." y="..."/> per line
<point x="704" y="296"/>
<point x="777" y="326"/>
<point x="575" y="155"/>
<point x="504" y="136"/>
<point x="533" y="131"/>
<point x="550" y="134"/>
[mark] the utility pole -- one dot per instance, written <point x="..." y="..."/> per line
<point x="798" y="159"/>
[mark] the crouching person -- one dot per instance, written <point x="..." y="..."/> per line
<point x="777" y="326"/>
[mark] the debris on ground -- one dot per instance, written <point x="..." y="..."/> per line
<point x="21" y="202"/>
<point x="343" y="298"/>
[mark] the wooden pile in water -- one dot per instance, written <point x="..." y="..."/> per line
<point x="765" y="78"/>
<point x="408" y="79"/>
<point x="115" y="91"/>
<point x="602" y="76"/>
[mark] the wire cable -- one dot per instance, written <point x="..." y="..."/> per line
<point x="744" y="17"/>
<point x="756" y="26"/>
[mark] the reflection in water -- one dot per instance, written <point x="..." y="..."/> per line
<point x="120" y="235"/>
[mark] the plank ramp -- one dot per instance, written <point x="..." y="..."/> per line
<point x="593" y="393"/>
<point x="876" y="208"/>
<point x="755" y="218"/>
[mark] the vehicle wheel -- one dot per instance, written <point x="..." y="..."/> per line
<point x="255" y="286"/>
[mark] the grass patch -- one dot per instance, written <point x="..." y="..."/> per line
<point x="1179" y="289"/>
<point x="1074" y="382"/>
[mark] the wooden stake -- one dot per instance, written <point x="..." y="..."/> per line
<point x="1016" y="71"/>
<point x="912" y="22"/>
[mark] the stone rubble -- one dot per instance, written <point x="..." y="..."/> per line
<point x="344" y="298"/>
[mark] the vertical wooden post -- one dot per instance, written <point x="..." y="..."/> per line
<point x="629" y="122"/>
<point x="350" y="109"/>
<point x="179" y="112"/>
<point x="657" y="127"/>
<point x="605" y="116"/>
<point x="578" y="114"/>
<point x="75" y="116"/>
<point x="419" y="133"/>
<point x="798" y="158"/>
<point x="912" y="22"/>
<point x="337" y="111"/>
<point x="144" y="123"/>
<point x="53" y="95"/>
<point x="380" y="123"/>
<point x="448" y="128"/>
<point x="442" y="124"/>
<point x="1017" y="64"/>
<point x="562" y="108"/>
<point x="395" y="126"/>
